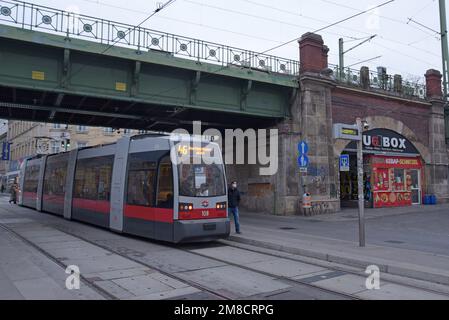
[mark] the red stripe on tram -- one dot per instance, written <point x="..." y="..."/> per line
<point x="149" y="213"/>
<point x="30" y="195"/>
<point x="56" y="199"/>
<point x="100" y="206"/>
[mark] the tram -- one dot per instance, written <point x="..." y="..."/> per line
<point x="153" y="185"/>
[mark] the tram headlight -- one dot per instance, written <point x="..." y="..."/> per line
<point x="221" y="205"/>
<point x="185" y="207"/>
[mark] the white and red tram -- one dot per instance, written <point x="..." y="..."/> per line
<point x="134" y="186"/>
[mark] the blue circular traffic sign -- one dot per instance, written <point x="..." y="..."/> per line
<point x="303" y="147"/>
<point x="303" y="161"/>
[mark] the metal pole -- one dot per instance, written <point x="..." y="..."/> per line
<point x="444" y="46"/>
<point x="445" y="58"/>
<point x="360" y="184"/>
<point x="341" y="63"/>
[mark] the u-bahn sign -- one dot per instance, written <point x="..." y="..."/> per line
<point x="385" y="141"/>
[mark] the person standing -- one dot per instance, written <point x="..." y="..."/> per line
<point x="233" y="204"/>
<point x="14" y="190"/>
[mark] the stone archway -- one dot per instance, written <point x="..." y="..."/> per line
<point x="378" y="122"/>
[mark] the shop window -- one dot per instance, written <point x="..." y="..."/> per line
<point x="398" y="180"/>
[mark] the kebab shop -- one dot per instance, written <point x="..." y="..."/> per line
<point x="393" y="171"/>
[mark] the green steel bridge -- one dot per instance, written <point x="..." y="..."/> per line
<point x="63" y="67"/>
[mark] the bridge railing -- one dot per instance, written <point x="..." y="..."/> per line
<point x="381" y="81"/>
<point x="36" y="17"/>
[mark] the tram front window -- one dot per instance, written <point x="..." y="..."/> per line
<point x="201" y="180"/>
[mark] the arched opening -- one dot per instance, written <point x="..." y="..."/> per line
<point x="392" y="167"/>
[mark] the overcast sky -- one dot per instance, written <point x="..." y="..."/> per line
<point x="258" y="25"/>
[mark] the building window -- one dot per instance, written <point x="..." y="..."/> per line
<point x="127" y="131"/>
<point x="81" y="129"/>
<point x="56" y="126"/>
<point x="108" y="130"/>
<point x="81" y="145"/>
<point x="55" y="146"/>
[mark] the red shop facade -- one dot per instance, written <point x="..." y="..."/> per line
<point x="393" y="171"/>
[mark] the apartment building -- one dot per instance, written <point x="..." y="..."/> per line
<point x="31" y="138"/>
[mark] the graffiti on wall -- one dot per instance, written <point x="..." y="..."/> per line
<point x="318" y="179"/>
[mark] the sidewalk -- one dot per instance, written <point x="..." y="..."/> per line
<point x="282" y="234"/>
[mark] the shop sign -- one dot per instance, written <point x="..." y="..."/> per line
<point x="395" y="162"/>
<point x="384" y="140"/>
<point x="392" y="199"/>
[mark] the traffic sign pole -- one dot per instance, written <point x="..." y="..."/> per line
<point x="360" y="186"/>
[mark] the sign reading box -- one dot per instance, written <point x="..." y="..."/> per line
<point x="346" y="132"/>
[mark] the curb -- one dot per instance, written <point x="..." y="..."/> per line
<point x="393" y="269"/>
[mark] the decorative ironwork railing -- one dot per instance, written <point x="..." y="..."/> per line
<point x="35" y="17"/>
<point x="380" y="80"/>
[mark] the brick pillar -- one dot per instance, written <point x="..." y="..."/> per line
<point x="437" y="169"/>
<point x="312" y="53"/>
<point x="433" y="84"/>
<point x="312" y="117"/>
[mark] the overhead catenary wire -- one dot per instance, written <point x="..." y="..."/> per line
<point x="363" y="61"/>
<point x="395" y="41"/>
<point x="286" y="43"/>
<point x="333" y="24"/>
<point x="391" y="19"/>
<point x="358" y="60"/>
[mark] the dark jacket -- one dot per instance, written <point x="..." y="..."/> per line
<point x="233" y="197"/>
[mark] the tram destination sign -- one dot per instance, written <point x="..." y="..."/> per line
<point x="346" y="132"/>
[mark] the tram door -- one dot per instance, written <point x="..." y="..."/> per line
<point x="416" y="186"/>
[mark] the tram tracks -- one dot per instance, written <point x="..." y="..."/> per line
<point x="334" y="267"/>
<point x="128" y="254"/>
<point x="200" y="286"/>
<point x="90" y="283"/>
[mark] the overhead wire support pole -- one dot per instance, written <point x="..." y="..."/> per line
<point x="341" y="62"/>
<point x="341" y="53"/>
<point x="445" y="59"/>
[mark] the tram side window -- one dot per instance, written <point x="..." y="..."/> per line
<point x="165" y="184"/>
<point x="55" y="178"/>
<point x="93" y="178"/>
<point x="141" y="179"/>
<point x="31" y="178"/>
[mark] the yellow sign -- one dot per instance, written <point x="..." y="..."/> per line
<point x="352" y="132"/>
<point x="120" y="86"/>
<point x="38" y="75"/>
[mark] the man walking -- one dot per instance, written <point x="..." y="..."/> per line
<point x="233" y="203"/>
<point x="14" y="191"/>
